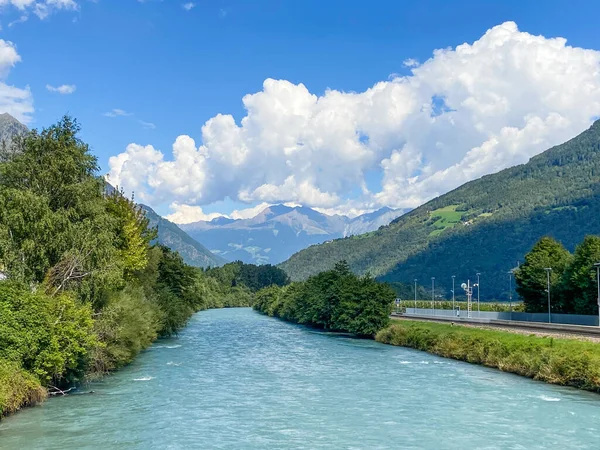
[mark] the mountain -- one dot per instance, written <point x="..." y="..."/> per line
<point x="484" y="226"/>
<point x="278" y="231"/>
<point x="170" y="235"/>
<point x="10" y="128"/>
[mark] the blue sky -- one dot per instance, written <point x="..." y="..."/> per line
<point x="172" y="69"/>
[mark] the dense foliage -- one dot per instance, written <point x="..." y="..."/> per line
<point x="334" y="300"/>
<point x="86" y="289"/>
<point x="484" y="226"/>
<point x="557" y="361"/>
<point x="249" y="275"/>
<point x="573" y="279"/>
<point x="532" y="278"/>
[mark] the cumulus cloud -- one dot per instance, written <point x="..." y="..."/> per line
<point x="465" y="112"/>
<point x="13" y="100"/>
<point x="188" y="6"/>
<point x="188" y="214"/>
<point x="62" y="89"/>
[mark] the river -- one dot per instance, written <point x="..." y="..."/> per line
<point x="235" y="379"/>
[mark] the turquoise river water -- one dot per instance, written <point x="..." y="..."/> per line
<point x="235" y="379"/>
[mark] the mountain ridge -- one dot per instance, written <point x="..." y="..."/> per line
<point x="170" y="235"/>
<point x="277" y="231"/>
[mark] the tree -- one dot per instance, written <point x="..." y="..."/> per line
<point x="532" y="280"/>
<point x="54" y="225"/>
<point x="579" y="280"/>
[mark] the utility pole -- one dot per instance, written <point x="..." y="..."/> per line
<point x="548" y="270"/>
<point x="415" y="295"/>
<point x="433" y="294"/>
<point x="597" y="265"/>
<point x="453" y="307"/>
<point x="478" y="289"/>
<point x="510" y="291"/>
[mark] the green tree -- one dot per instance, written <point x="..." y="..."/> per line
<point x="531" y="277"/>
<point x="579" y="280"/>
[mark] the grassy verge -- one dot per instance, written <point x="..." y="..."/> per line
<point x="558" y="361"/>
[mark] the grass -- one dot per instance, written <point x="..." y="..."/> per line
<point x="447" y="217"/>
<point x="564" y="362"/>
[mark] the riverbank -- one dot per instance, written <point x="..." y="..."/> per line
<point x="563" y="362"/>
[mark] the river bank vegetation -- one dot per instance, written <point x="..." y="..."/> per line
<point x="564" y="362"/>
<point x="83" y="286"/>
<point x="335" y="300"/>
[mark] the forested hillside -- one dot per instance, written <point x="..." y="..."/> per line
<point x="484" y="226"/>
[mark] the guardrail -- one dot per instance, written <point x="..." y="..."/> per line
<point x="566" y="319"/>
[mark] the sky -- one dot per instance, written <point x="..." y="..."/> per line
<point x="220" y="107"/>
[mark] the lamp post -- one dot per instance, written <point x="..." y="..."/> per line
<point x="510" y="291"/>
<point x="597" y="266"/>
<point x="548" y="270"/>
<point x="453" y="307"/>
<point x="478" y="289"/>
<point x="433" y="294"/>
<point x="415" y="295"/>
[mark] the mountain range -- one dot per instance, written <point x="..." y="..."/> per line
<point x="485" y="226"/>
<point x="170" y="235"/>
<point x="279" y="231"/>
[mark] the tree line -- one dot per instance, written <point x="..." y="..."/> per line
<point x="83" y="286"/>
<point x="572" y="278"/>
<point x="336" y="300"/>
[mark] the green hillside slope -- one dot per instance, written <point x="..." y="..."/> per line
<point x="484" y="226"/>
<point x="192" y="252"/>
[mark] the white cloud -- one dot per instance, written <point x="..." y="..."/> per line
<point x="461" y="114"/>
<point x="13" y="100"/>
<point x="189" y="214"/>
<point x="188" y="6"/>
<point x="62" y="89"/>
<point x="41" y="8"/>
<point x="249" y="213"/>
<point x="147" y="125"/>
<point x="410" y="62"/>
<point x="117" y="113"/>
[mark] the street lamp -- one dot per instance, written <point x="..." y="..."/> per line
<point x="510" y="291"/>
<point x="548" y="270"/>
<point x="453" y="307"/>
<point x="415" y="295"/>
<point x="478" y="289"/>
<point x="597" y="266"/>
<point x="433" y="294"/>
